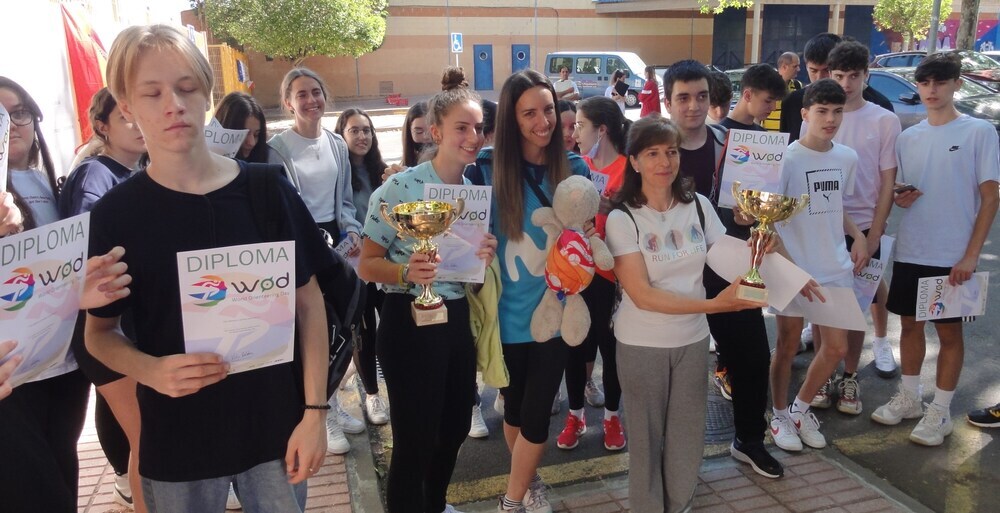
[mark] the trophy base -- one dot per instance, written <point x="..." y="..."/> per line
<point x="751" y="292"/>
<point x="437" y="315"/>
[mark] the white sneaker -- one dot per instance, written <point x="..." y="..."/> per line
<point x="808" y="428"/>
<point x="336" y="442"/>
<point x="885" y="362"/>
<point x="347" y="421"/>
<point x="807" y="334"/>
<point x="498" y="403"/>
<point x="903" y="405"/>
<point x="711" y="344"/>
<point x="123" y="490"/>
<point x="232" y="501"/>
<point x="478" y="428"/>
<point x="933" y="427"/>
<point x="448" y="508"/>
<point x="535" y="501"/>
<point x="376" y="409"/>
<point x="784" y="434"/>
<point x="849" y="398"/>
<point x="349" y="375"/>
<point x="593" y="394"/>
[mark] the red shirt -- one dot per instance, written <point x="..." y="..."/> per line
<point x="649" y="97"/>
<point x="616" y="175"/>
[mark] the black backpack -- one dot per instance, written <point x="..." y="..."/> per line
<point x="344" y="294"/>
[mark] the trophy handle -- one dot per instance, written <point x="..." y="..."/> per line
<point x="384" y="209"/>
<point x="736" y="196"/>
<point x="456" y="212"/>
<point x="799" y="207"/>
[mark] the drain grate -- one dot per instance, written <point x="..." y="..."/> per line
<point x="719" y="425"/>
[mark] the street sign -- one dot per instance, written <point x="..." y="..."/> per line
<point x="456" y="42"/>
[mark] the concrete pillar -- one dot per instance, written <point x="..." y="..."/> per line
<point x="835" y="19"/>
<point x="758" y="8"/>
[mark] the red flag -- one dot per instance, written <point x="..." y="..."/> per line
<point x="86" y="59"/>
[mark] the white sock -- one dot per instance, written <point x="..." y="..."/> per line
<point x="608" y="414"/>
<point x="782" y="413"/>
<point x="577" y="413"/>
<point x="911" y="384"/>
<point x="799" y="406"/>
<point x="881" y="340"/>
<point x="942" y="398"/>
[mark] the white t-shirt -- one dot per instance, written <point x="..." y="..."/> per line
<point x="947" y="163"/>
<point x="871" y="131"/>
<point x="620" y="100"/>
<point x="674" y="250"/>
<point x="564" y="85"/>
<point x="814" y="237"/>
<point x="317" y="171"/>
<point x="34" y="188"/>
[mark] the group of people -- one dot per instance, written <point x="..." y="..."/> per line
<point x="202" y="438"/>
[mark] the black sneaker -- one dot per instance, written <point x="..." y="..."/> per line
<point x="757" y="456"/>
<point x="986" y="417"/>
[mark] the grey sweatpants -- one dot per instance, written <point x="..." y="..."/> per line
<point x="664" y="391"/>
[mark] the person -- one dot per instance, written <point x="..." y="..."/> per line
<point x="815" y="241"/>
<point x="743" y="362"/>
<point x="567" y="118"/>
<point x="41" y="421"/>
<point x="263" y="428"/>
<point x="524" y="167"/>
<point x="788" y="68"/>
<point x="649" y="97"/>
<point x="612" y="92"/>
<point x="355" y="126"/>
<point x="489" y="121"/>
<point x="115" y="149"/>
<point x="951" y="159"/>
<point x="720" y="96"/>
<point x="600" y="130"/>
<point x="871" y="131"/>
<point x="566" y="89"/>
<point x="816" y="52"/>
<point x="240" y="111"/>
<point x="988" y="417"/>
<point x="660" y="324"/>
<point x="319" y="165"/>
<point x="430" y="371"/>
<point x="415" y="137"/>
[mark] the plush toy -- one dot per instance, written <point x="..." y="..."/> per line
<point x="569" y="266"/>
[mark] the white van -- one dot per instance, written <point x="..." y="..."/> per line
<point x="592" y="71"/>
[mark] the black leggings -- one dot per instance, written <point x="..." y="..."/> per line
<point x="535" y="370"/>
<point x="430" y="375"/>
<point x="600" y="297"/>
<point x="364" y="353"/>
<point x="40" y="424"/>
<point x="742" y="337"/>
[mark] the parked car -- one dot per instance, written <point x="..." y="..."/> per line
<point x="899" y="86"/>
<point x="975" y="65"/>
<point x="592" y="72"/>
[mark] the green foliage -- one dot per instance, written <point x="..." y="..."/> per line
<point x="706" y="5"/>
<point x="911" y="18"/>
<point x="296" y="29"/>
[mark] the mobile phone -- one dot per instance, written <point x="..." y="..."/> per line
<point x="904" y="187"/>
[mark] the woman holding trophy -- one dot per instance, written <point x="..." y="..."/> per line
<point x="429" y="366"/>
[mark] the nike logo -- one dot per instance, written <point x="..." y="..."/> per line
<point x="798" y="424"/>
<point x="774" y="431"/>
<point x="953" y="148"/>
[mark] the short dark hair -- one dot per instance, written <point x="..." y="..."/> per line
<point x="489" y="117"/>
<point x="824" y="92"/>
<point x="848" y="56"/>
<point x="232" y="113"/>
<point x="939" y="66"/>
<point x="764" y="78"/>
<point x="688" y="70"/>
<point x="818" y="48"/>
<point x="720" y="89"/>
<point x="603" y="111"/>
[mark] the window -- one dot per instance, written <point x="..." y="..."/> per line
<point x="588" y="65"/>
<point x="614" y="63"/>
<point x="890" y="87"/>
<point x="557" y="64"/>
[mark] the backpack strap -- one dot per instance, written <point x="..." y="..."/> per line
<point x="623" y="208"/>
<point x="701" y="213"/>
<point x="721" y="136"/>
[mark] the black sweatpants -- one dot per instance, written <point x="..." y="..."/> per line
<point x="430" y="375"/>
<point x="742" y="337"/>
<point x="40" y="424"/>
<point x="600" y="298"/>
<point x="364" y="353"/>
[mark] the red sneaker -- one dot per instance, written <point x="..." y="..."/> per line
<point x="614" y="435"/>
<point x="570" y="436"/>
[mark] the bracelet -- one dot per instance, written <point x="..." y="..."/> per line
<point x="316" y="406"/>
<point x="404" y="269"/>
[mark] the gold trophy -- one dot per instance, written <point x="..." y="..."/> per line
<point x="768" y="208"/>
<point x="424" y="220"/>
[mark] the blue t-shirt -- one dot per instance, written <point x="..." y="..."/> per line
<point x="88" y="183"/>
<point x="404" y="187"/>
<point x="522" y="263"/>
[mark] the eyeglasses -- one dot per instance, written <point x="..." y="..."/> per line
<point x="21" y="117"/>
<point x="367" y="132"/>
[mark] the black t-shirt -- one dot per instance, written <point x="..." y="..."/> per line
<point x="247" y="418"/>
<point x="699" y="164"/>
<point x="791" y="110"/>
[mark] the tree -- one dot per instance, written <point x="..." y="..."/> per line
<point x="705" y="6"/>
<point x="911" y="18"/>
<point x="966" y="38"/>
<point x="296" y="29"/>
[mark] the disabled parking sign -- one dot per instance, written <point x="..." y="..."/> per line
<point x="456" y="42"/>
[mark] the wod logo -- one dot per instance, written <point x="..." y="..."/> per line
<point x="17" y="290"/>
<point x="214" y="291"/>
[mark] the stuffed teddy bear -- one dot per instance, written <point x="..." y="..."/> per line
<point x="570" y="261"/>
